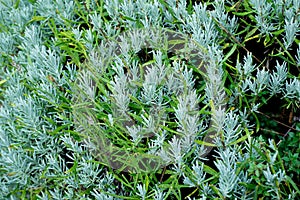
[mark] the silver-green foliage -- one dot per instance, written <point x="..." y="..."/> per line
<point x="41" y="157"/>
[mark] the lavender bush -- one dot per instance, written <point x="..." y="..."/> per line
<point x="149" y="99"/>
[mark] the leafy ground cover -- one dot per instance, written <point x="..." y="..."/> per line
<point x="149" y="99"/>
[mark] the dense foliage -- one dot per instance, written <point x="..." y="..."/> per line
<point x="149" y="99"/>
